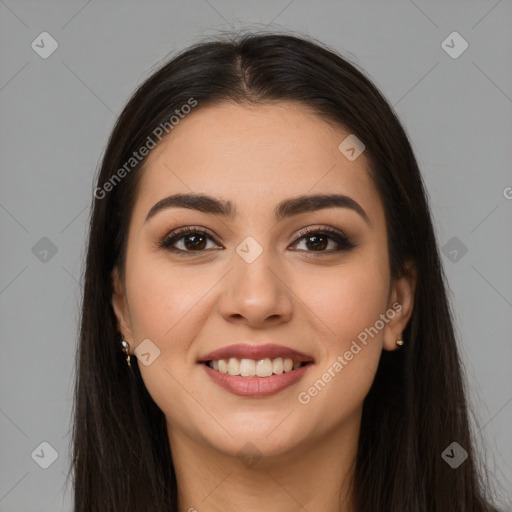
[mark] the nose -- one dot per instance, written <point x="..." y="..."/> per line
<point x="256" y="294"/>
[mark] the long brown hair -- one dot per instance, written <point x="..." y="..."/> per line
<point x="417" y="404"/>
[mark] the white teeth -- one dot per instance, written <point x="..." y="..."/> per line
<point x="223" y="366"/>
<point x="264" y="368"/>
<point x="277" y="365"/>
<point x="251" y="367"/>
<point x="247" y="368"/>
<point x="234" y="366"/>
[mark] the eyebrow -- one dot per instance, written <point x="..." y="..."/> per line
<point x="287" y="208"/>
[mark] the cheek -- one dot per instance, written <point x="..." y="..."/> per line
<point x="165" y="301"/>
<point x="167" y="304"/>
<point x="347" y="299"/>
<point x="348" y="303"/>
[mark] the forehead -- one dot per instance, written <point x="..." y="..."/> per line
<point x="255" y="156"/>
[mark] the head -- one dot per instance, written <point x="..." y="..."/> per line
<point x="294" y="239"/>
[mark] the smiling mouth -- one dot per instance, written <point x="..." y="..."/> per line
<point x="255" y="367"/>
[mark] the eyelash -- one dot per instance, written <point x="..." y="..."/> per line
<point x="342" y="240"/>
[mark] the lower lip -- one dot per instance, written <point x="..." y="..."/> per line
<point x="256" y="386"/>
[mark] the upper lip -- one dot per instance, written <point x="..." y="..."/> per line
<point x="246" y="351"/>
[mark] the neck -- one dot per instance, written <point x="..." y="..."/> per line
<point x="316" y="475"/>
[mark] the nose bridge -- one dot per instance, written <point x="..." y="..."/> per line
<point x="253" y="267"/>
<point x="255" y="288"/>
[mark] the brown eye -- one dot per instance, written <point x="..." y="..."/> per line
<point x="317" y="240"/>
<point x="194" y="240"/>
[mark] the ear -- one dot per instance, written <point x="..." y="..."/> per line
<point x="120" y="305"/>
<point x="401" y="302"/>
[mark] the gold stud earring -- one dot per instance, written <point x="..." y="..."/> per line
<point x="126" y="350"/>
<point x="400" y="342"/>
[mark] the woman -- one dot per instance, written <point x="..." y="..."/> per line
<point x="265" y="322"/>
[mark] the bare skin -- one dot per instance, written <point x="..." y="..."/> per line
<point x="315" y="300"/>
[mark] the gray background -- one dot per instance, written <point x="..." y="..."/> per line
<point x="56" y="114"/>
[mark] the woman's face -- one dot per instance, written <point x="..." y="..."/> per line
<point x="254" y="279"/>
